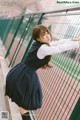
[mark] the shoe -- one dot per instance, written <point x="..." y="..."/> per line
<point x="26" y="116"/>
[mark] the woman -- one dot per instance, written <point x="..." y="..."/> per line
<point x="22" y="83"/>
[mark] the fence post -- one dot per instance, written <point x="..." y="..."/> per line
<point x="76" y="112"/>
<point x="31" y="40"/>
<point x="23" y="36"/>
<point x="8" y="29"/>
<point x="14" y="37"/>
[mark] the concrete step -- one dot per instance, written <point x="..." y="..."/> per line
<point x="5" y="102"/>
<point x="10" y="106"/>
<point x="4" y="105"/>
<point x="2" y="99"/>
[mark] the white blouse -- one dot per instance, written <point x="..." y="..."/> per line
<point x="56" y="47"/>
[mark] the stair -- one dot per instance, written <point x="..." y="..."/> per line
<point x="2" y="100"/>
<point x="5" y="102"/>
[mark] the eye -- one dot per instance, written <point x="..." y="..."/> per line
<point x="43" y="34"/>
<point x="47" y="32"/>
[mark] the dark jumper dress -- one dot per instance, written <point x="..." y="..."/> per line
<point x="22" y="83"/>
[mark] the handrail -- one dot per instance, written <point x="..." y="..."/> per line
<point x="63" y="14"/>
<point x="58" y="10"/>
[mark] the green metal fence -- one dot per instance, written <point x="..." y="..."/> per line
<point x="60" y="84"/>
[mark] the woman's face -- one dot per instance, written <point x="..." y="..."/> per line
<point x="45" y="37"/>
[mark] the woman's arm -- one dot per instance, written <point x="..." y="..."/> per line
<point x="59" y="41"/>
<point x="62" y="41"/>
<point x="45" y="50"/>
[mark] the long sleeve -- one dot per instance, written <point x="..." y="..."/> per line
<point x="62" y="41"/>
<point x="45" y="50"/>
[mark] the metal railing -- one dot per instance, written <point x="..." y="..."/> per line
<point x="60" y="84"/>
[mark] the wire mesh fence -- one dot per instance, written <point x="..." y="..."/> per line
<point x="61" y="83"/>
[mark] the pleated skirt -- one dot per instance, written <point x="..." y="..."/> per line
<point x="23" y="87"/>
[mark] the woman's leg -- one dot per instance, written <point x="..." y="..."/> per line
<point x="23" y="111"/>
<point x="25" y="114"/>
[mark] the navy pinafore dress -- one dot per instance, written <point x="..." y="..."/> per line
<point x="22" y="83"/>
